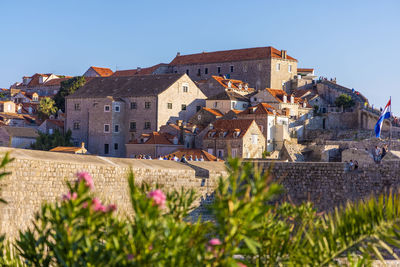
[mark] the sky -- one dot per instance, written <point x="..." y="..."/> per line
<point x="355" y="41"/>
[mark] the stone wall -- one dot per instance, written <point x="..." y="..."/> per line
<point x="39" y="177"/>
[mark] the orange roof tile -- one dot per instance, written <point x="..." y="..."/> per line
<point x="155" y="138"/>
<point x="103" y="72"/>
<point x="261" y="108"/>
<point x="215" y="112"/>
<point x="229" y="56"/>
<point x="234" y="83"/>
<point x="277" y="93"/>
<point x="304" y="70"/>
<point x="228" y="127"/>
<point x="141" y="71"/>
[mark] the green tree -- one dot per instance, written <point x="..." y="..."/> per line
<point x="67" y="88"/>
<point x="46" y="108"/>
<point x="344" y="101"/>
<point x="48" y="141"/>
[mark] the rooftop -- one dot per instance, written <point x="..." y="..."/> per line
<point x="229" y="56"/>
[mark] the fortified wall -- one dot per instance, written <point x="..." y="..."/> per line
<point x="39" y="177"/>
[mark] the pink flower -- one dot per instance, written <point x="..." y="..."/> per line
<point x="111" y="207"/>
<point x="241" y="264"/>
<point x="97" y="206"/>
<point x="85" y="205"/>
<point x="151" y="247"/>
<point x="84" y="176"/>
<point x="70" y="196"/>
<point x="214" y="242"/>
<point x="129" y="257"/>
<point x="158" y="197"/>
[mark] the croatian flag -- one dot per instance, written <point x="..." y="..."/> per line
<point x="384" y="115"/>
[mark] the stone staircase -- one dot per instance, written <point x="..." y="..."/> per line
<point x="292" y="151"/>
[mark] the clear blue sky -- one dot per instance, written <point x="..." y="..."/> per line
<point x="355" y="41"/>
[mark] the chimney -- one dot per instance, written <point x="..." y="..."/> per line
<point x="292" y="99"/>
<point x="284" y="99"/>
<point x="83" y="145"/>
<point x="211" y="126"/>
<point x="283" y="54"/>
<point x="178" y="54"/>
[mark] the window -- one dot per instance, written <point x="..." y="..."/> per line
<point x="116" y="128"/>
<point x="206" y="71"/>
<point x="77" y="106"/>
<point x="290" y="68"/>
<point x="169" y="105"/>
<point x="245" y="68"/>
<point x="211" y="151"/>
<point x="220" y="153"/>
<point x="215" y="104"/>
<point x="198" y="72"/>
<point x="147" y="105"/>
<point x="132" y="125"/>
<point x="133" y="105"/>
<point x="219" y="70"/>
<point x="77" y="125"/>
<point x="231" y="68"/>
<point x="147" y="125"/>
<point x="198" y="108"/>
<point x="254" y="139"/>
<point x="183" y="107"/>
<point x="117" y="108"/>
<point x="115" y="146"/>
<point x="187" y="72"/>
<point x="106" y="149"/>
<point x="50" y="131"/>
<point x="244" y="105"/>
<point x="234" y="152"/>
<point x="278" y="66"/>
<point x="106" y="128"/>
<point x="185" y="88"/>
<point x="233" y="105"/>
<point x="106" y="108"/>
<point x="199" y="117"/>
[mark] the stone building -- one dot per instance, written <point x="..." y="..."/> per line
<point x="205" y="116"/>
<point x="42" y="84"/>
<point x="153" y="144"/>
<point x="297" y="108"/>
<point x="108" y="112"/>
<point x="274" y="126"/>
<point x="261" y="67"/>
<point x="218" y="84"/>
<point x="226" y="101"/>
<point x="18" y="137"/>
<point x="239" y="138"/>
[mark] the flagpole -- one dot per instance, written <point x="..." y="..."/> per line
<point x="390" y="120"/>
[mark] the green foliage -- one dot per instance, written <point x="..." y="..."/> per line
<point x="67" y="88"/>
<point x="48" y="141"/>
<point x="248" y="228"/>
<point x="46" y="108"/>
<point x="316" y="109"/>
<point x="266" y="154"/>
<point x="344" y="101"/>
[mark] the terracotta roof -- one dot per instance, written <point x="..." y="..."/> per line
<point x="236" y="111"/>
<point x="215" y="112"/>
<point x="66" y="149"/>
<point x="229" y="95"/>
<point x="304" y="70"/>
<point x="145" y="85"/>
<point x="234" y="83"/>
<point x="193" y="152"/>
<point x="261" y="108"/>
<point x="141" y="71"/>
<point x="228" y="127"/>
<point x="58" y="123"/>
<point x="300" y="93"/>
<point x="155" y="138"/>
<point x="229" y="56"/>
<point x="103" y="72"/>
<point x="55" y="82"/>
<point x="277" y="94"/>
<point x="21" y="132"/>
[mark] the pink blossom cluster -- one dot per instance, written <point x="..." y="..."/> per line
<point x="70" y="196"/>
<point x="158" y="197"/>
<point x="97" y="206"/>
<point x="84" y="176"/>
